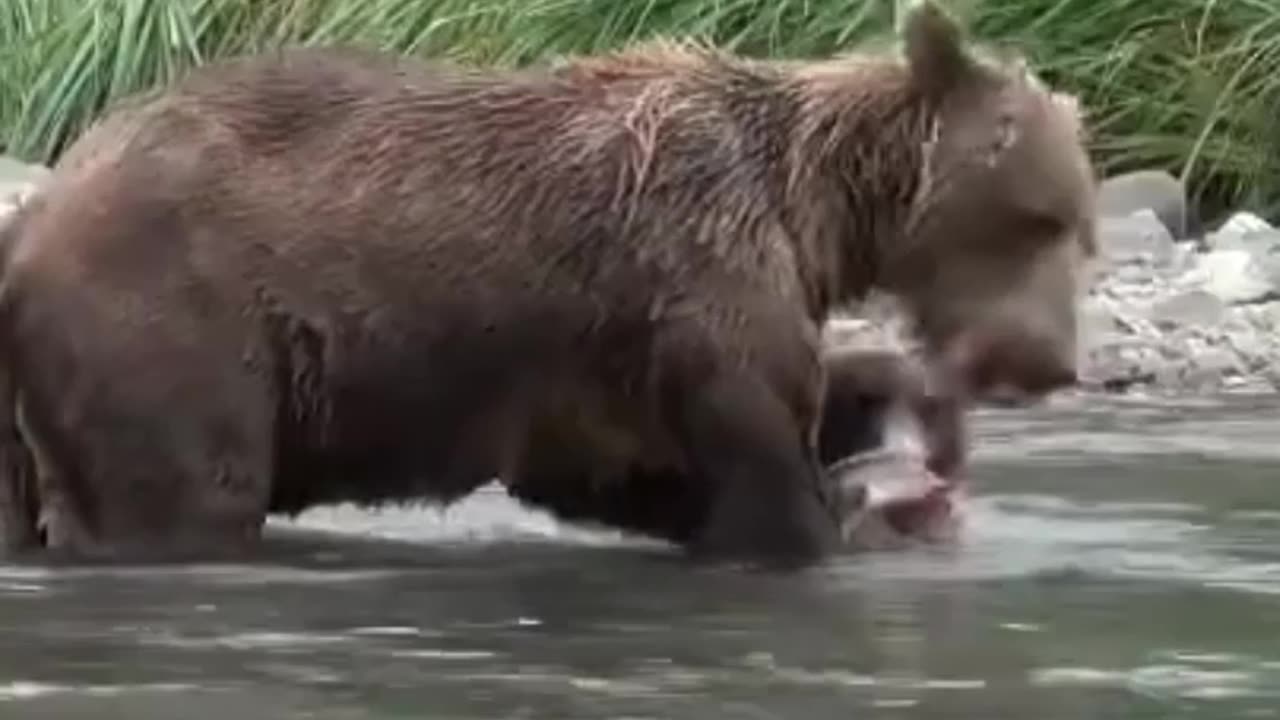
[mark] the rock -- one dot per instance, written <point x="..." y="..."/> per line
<point x="1232" y="275"/>
<point x="17" y="181"/>
<point x="1098" y="321"/>
<point x="1153" y="190"/>
<point x="1210" y="367"/>
<point x="1239" y="225"/>
<point x="1138" y="237"/>
<point x="1254" y="353"/>
<point x="1265" y="317"/>
<point x="1245" y="232"/>
<point x="1185" y="257"/>
<point x="17" y="178"/>
<point x="1120" y="364"/>
<point x="1189" y="307"/>
<point x="1134" y="273"/>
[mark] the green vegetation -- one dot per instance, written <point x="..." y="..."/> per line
<point x="1187" y="85"/>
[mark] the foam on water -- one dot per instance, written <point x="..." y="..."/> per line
<point x="1025" y="535"/>
<point x="28" y="690"/>
<point x="244" y="640"/>
<point x="1172" y="681"/>
<point x="1004" y="536"/>
<point x="486" y="516"/>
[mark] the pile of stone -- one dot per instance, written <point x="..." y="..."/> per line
<point x="1176" y="309"/>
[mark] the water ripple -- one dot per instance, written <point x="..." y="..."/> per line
<point x="1173" y="680"/>
<point x="29" y="690"/>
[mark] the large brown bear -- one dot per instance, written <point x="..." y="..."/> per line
<point x="332" y="275"/>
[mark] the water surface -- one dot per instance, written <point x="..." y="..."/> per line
<point x="1122" y="560"/>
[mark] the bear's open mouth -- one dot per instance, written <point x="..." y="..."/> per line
<point x="985" y="370"/>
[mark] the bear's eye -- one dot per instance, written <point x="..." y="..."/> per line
<point x="1025" y="232"/>
<point x="1039" y="227"/>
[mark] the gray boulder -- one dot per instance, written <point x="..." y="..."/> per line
<point x="1139" y="237"/>
<point x="1248" y="234"/>
<point x="1239" y="229"/>
<point x="1235" y="276"/>
<point x="17" y="181"/>
<point x="1153" y="190"/>
<point x="16" y="176"/>
<point x="1182" y="317"/>
<point x="1195" y="307"/>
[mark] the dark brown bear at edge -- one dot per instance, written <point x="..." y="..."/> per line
<point x="330" y="275"/>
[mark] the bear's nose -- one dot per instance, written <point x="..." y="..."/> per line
<point x="1064" y="378"/>
<point x="1048" y="378"/>
<point x="1019" y="377"/>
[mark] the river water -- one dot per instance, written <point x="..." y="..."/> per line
<point x="1121" y="560"/>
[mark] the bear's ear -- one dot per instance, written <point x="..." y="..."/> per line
<point x="1069" y="106"/>
<point x="934" y="47"/>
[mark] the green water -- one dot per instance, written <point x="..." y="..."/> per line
<point x="1120" y="561"/>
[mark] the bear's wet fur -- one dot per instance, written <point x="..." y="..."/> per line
<point x="324" y="275"/>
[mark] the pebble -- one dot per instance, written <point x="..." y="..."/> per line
<point x="1136" y="238"/>
<point x="1195" y="306"/>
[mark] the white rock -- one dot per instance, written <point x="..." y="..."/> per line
<point x="1133" y="275"/>
<point x="1154" y="190"/>
<point x="1185" y="256"/>
<point x="1189" y="307"/>
<point x="1265" y="317"/>
<point x="1216" y="359"/>
<point x="1121" y="360"/>
<point x="1238" y="225"/>
<point x="18" y="179"/>
<point x="1253" y="352"/>
<point x="1137" y="237"/>
<point x="1232" y="275"/>
<point x="1210" y="367"/>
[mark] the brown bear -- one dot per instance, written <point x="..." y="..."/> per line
<point x="870" y="395"/>
<point x="323" y="275"/>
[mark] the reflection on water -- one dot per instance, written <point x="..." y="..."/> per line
<point x="1122" y="560"/>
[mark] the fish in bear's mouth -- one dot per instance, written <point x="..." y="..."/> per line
<point x="895" y="499"/>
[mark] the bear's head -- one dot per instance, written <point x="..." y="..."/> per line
<point x="991" y="259"/>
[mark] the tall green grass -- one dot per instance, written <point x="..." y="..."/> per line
<point x="1188" y="85"/>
